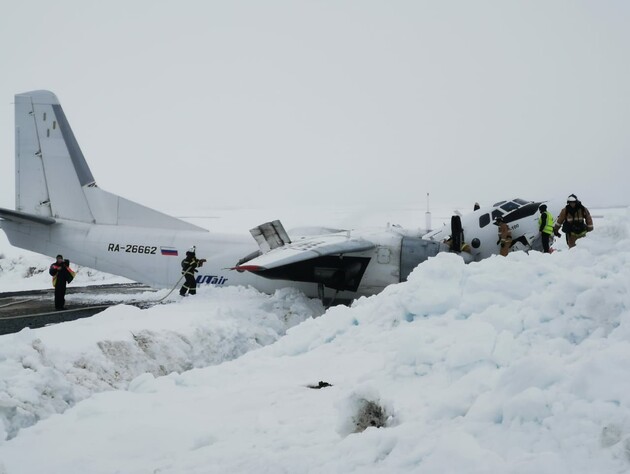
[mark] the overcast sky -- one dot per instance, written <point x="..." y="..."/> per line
<point x="247" y="103"/>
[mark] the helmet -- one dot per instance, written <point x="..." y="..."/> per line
<point x="572" y="198"/>
<point x="542" y="207"/>
<point x="192" y="249"/>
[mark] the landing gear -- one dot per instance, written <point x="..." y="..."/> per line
<point x="322" y="298"/>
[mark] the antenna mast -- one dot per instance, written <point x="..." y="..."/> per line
<point x="427" y="216"/>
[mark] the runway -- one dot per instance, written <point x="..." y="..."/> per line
<point x="35" y="308"/>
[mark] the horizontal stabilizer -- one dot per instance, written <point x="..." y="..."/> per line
<point x="22" y="217"/>
<point x="306" y="249"/>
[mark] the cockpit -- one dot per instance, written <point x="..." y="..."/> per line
<point x="510" y="210"/>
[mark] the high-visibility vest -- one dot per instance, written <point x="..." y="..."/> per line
<point x="70" y="271"/>
<point x="548" y="229"/>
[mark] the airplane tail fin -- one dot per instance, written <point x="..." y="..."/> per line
<point x="53" y="180"/>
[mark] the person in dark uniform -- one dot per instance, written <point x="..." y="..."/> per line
<point x="189" y="268"/>
<point x="62" y="275"/>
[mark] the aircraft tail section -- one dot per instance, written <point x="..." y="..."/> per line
<point x="53" y="179"/>
<point x="40" y="160"/>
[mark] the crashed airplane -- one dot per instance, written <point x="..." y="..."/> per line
<point x="59" y="208"/>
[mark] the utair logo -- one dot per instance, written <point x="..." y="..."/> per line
<point x="211" y="279"/>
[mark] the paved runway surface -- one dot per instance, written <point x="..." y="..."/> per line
<point x="35" y="308"/>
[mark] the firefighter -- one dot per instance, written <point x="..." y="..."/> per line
<point x="545" y="226"/>
<point x="189" y="268"/>
<point x="575" y="220"/>
<point x="62" y="275"/>
<point x="464" y="247"/>
<point x="505" y="236"/>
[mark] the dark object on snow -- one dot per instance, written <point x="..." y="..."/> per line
<point x="321" y="384"/>
<point x="369" y="414"/>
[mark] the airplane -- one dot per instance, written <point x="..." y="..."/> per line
<point x="61" y="210"/>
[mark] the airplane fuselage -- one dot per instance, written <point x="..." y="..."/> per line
<point x="154" y="256"/>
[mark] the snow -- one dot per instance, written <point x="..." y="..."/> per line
<point x="514" y="365"/>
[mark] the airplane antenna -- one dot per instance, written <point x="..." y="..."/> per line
<point x="427" y="216"/>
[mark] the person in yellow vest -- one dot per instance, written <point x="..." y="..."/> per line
<point x="575" y="220"/>
<point x="545" y="226"/>
<point x="505" y="236"/>
<point x="62" y="275"/>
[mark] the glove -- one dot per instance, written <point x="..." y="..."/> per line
<point x="557" y="234"/>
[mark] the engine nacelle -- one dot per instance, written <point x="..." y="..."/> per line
<point x="414" y="251"/>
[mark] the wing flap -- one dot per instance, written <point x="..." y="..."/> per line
<point x="306" y="249"/>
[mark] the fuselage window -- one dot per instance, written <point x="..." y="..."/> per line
<point x="484" y="220"/>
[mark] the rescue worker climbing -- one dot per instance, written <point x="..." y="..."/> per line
<point x="189" y="268"/>
<point x="545" y="226"/>
<point x="575" y="220"/>
<point x="62" y="274"/>
<point x="505" y="236"/>
<point x="456" y="240"/>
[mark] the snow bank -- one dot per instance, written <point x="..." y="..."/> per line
<point x="45" y="371"/>
<point x="512" y="365"/>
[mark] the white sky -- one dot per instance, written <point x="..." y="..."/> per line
<point x="511" y="365"/>
<point x="246" y="103"/>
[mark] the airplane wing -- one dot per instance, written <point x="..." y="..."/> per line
<point x="24" y="217"/>
<point x="306" y="249"/>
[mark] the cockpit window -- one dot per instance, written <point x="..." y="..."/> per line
<point x="497" y="204"/>
<point x="521" y="201"/>
<point x="509" y="206"/>
<point x="484" y="220"/>
<point x="496" y="213"/>
<point x="527" y="210"/>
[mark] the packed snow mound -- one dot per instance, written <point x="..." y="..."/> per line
<point x="45" y="371"/>
<point x="512" y="365"/>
